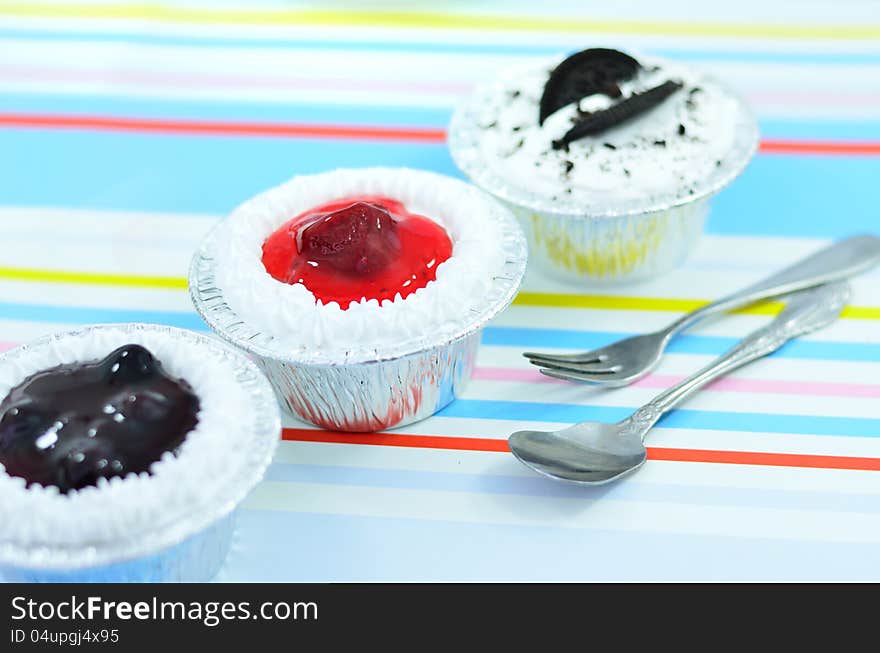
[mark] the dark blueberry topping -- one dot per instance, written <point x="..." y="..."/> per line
<point x="71" y="425"/>
<point x="634" y="105"/>
<point x="597" y="70"/>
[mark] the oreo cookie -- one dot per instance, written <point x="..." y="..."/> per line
<point x="596" y="70"/>
<point x="634" y="105"/>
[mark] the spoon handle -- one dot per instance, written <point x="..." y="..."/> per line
<point x="836" y="262"/>
<point x="805" y="312"/>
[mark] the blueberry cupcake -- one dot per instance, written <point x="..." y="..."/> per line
<point x="609" y="160"/>
<point x="124" y="451"/>
<point x="361" y="293"/>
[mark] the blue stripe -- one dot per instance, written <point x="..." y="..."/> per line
<point x="858" y="131"/>
<point x="199" y="174"/>
<point x="88" y="315"/>
<point x="684" y="344"/>
<point x="796" y="196"/>
<point x="800" y="197"/>
<point x="422" y="46"/>
<point x="307" y="547"/>
<point x="501" y="336"/>
<point x="195" y="109"/>
<point x="523" y="411"/>
<point x="535" y="486"/>
<point x="305" y="111"/>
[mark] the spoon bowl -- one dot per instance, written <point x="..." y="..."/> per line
<point x="589" y="453"/>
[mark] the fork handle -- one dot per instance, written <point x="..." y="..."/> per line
<point x="838" y="261"/>
<point x="805" y="312"/>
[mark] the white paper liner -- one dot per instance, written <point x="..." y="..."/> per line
<point x="298" y="322"/>
<point x="228" y="445"/>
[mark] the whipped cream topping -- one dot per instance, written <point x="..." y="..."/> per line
<point x="213" y="468"/>
<point x="665" y="152"/>
<point x="298" y="322"/>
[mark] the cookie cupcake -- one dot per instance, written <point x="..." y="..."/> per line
<point x="609" y="160"/>
<point x="124" y="452"/>
<point x="361" y="293"/>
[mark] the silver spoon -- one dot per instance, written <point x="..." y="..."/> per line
<point x="591" y="453"/>
<point x="624" y="361"/>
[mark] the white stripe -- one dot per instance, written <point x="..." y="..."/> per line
<point x="575" y="513"/>
<point x="440" y="79"/>
<point x="792" y="369"/>
<point x="728" y="402"/>
<point x="580" y="319"/>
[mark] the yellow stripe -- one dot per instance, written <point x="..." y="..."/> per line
<point x="93" y="278"/>
<point x="615" y="303"/>
<point x="424" y="19"/>
<point x="525" y="298"/>
<point x="861" y="312"/>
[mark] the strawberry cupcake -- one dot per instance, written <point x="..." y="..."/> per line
<point x="361" y="293"/>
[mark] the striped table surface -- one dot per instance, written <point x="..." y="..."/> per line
<point x="127" y="130"/>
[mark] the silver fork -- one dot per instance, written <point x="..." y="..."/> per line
<point x="627" y="360"/>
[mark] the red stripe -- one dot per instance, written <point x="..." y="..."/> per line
<point x="296" y="130"/>
<point x="397" y="440"/>
<point x="224" y="128"/>
<point x="772" y="146"/>
<point x="654" y="453"/>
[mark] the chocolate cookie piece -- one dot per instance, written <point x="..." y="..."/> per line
<point x="635" y="105"/>
<point x="596" y="70"/>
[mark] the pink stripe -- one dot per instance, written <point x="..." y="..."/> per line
<point x="7" y="345"/>
<point x="170" y="79"/>
<point x="209" y="79"/>
<point x="656" y="381"/>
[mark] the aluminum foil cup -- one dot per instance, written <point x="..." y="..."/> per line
<point x="369" y="390"/>
<point x="191" y="542"/>
<point x="621" y="242"/>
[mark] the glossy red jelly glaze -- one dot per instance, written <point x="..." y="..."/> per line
<point x="358" y="246"/>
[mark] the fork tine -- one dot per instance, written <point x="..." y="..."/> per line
<point x="569" y="375"/>
<point x="586" y="368"/>
<point x="585" y="357"/>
